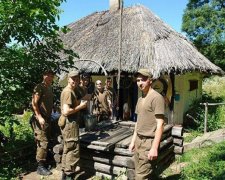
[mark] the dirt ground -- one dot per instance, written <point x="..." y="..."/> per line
<point x="56" y="175"/>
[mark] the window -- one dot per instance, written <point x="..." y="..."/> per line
<point x="193" y="84"/>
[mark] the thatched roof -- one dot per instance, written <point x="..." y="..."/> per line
<point x="147" y="42"/>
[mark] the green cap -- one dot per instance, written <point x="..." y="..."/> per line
<point x="144" y="72"/>
<point x="73" y="73"/>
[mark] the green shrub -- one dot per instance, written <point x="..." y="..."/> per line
<point x="214" y="86"/>
<point x="20" y="136"/>
<point x="194" y="117"/>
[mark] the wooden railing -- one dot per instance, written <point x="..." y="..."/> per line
<point x="206" y="112"/>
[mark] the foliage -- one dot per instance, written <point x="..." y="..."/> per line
<point x="205" y="163"/>
<point x="204" y="24"/>
<point x="194" y="118"/>
<point x="23" y="136"/>
<point x="29" y="44"/>
<point x="214" y="87"/>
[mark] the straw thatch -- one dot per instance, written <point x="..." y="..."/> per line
<point x="147" y="42"/>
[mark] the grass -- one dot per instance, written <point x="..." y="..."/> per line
<point x="204" y="163"/>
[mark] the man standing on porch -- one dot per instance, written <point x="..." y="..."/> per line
<point x="148" y="128"/>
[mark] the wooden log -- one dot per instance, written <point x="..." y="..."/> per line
<point x="165" y="153"/>
<point x="57" y="158"/>
<point x="178" y="141"/>
<point x="165" y="143"/>
<point x="166" y="135"/>
<point x="99" y="143"/>
<point x="58" y="149"/>
<point x="124" y="143"/>
<point x="178" y="150"/>
<point x="167" y="127"/>
<point x="129" y="124"/>
<point x="117" y="133"/>
<point x="112" y="170"/>
<point x="99" y="148"/>
<point x="122" y="151"/>
<point x="106" y="158"/>
<point x="109" y="142"/>
<point x="100" y="167"/>
<point x="177" y="131"/>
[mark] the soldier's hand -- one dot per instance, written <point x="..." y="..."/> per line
<point x="83" y="104"/>
<point x="41" y="121"/>
<point x="152" y="154"/>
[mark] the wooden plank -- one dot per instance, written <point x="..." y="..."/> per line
<point x="125" y="142"/>
<point x="119" y="137"/>
<point x="97" y="136"/>
<point x="99" y="148"/>
<point x="115" y="133"/>
<point x="129" y="124"/>
<point x="100" y="143"/>
<point x="106" y="158"/>
<point x="122" y="151"/>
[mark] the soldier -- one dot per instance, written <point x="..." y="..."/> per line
<point x="69" y="125"/>
<point x="150" y="120"/>
<point x="42" y="103"/>
<point x="102" y="107"/>
<point x="112" y="94"/>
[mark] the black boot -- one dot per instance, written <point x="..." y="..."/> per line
<point x="42" y="170"/>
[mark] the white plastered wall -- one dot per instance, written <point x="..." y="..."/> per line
<point x="183" y="96"/>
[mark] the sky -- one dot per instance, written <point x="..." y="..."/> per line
<point x="170" y="11"/>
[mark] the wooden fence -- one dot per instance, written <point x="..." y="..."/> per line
<point x="206" y="112"/>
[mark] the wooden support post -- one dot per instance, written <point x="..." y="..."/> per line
<point x="206" y="118"/>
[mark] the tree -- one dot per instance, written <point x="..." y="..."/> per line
<point x="204" y="24"/>
<point x="29" y="43"/>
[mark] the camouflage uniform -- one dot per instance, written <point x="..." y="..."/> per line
<point x="42" y="136"/>
<point x="146" y="109"/>
<point x="70" y="133"/>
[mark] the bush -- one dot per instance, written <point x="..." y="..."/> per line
<point x="194" y="118"/>
<point x="20" y="135"/>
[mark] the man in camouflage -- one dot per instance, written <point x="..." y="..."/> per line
<point x="68" y="122"/>
<point x="42" y="103"/>
<point x="148" y="128"/>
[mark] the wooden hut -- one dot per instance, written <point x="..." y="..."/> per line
<point x="146" y="42"/>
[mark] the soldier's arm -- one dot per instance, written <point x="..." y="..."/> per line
<point x="132" y="146"/>
<point x="153" y="153"/>
<point x="67" y="110"/>
<point x="35" y="99"/>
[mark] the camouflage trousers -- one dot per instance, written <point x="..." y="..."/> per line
<point x="42" y="137"/>
<point x="143" y="167"/>
<point x="71" y="149"/>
